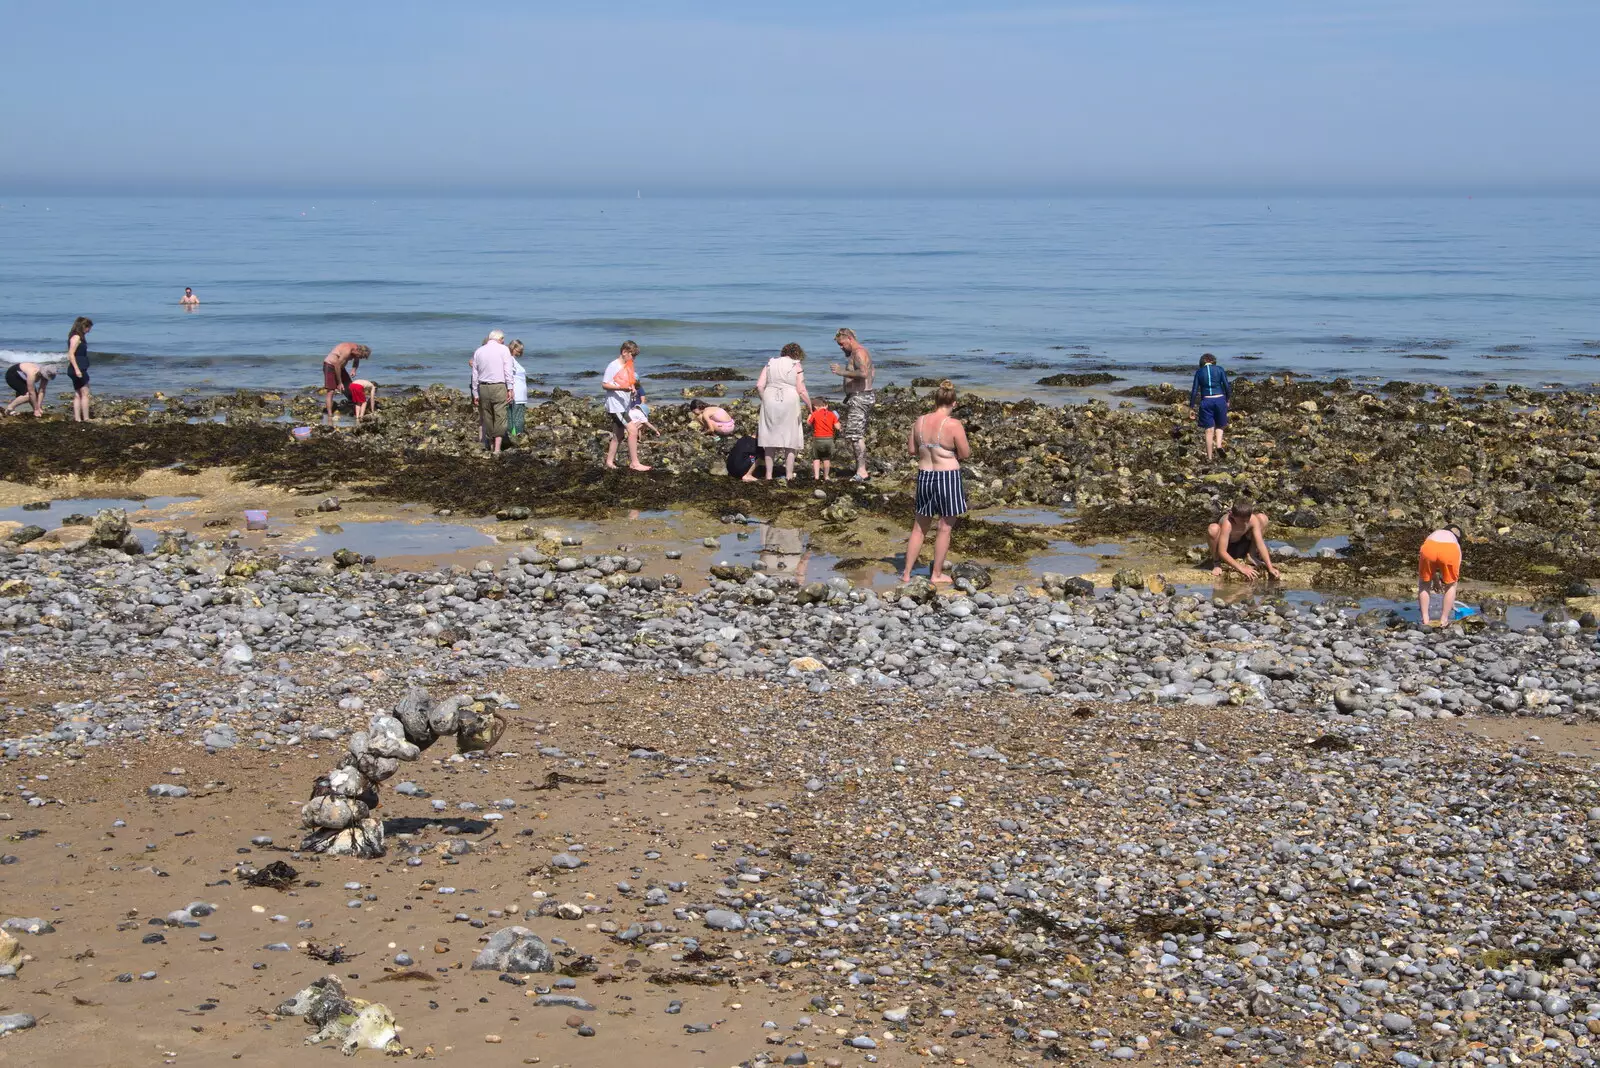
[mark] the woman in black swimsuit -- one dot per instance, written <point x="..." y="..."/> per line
<point x="78" y="367"/>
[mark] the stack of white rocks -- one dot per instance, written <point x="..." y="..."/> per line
<point x="340" y="816"/>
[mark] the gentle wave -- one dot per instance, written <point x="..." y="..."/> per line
<point x="640" y="326"/>
<point x="11" y="356"/>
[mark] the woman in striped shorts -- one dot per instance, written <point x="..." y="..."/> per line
<point x="939" y="442"/>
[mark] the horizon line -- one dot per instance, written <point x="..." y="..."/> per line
<point x="1553" y="190"/>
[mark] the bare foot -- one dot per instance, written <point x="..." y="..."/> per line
<point x="611" y="467"/>
<point x="749" y="478"/>
<point x="941" y="580"/>
<point x="639" y="467"/>
<point x="906" y="577"/>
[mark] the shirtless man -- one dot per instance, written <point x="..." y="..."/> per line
<point x="336" y="367"/>
<point x="189" y="300"/>
<point x="1238" y="536"/>
<point x="859" y="396"/>
<point x="28" y="382"/>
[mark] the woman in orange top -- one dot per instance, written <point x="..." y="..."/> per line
<point x="1439" y="560"/>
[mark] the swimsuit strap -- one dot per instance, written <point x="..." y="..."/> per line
<point x="923" y="443"/>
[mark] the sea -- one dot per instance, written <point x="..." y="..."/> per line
<point x="994" y="294"/>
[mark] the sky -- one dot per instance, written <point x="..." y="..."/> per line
<point x="896" y="97"/>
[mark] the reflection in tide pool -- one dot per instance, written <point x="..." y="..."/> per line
<point x="52" y="514"/>
<point x="394" y="537"/>
<point x="1070" y="558"/>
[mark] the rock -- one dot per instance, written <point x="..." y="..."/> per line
<point x="562" y="1001"/>
<point x="843" y="511"/>
<point x="110" y="529"/>
<point x="29" y="533"/>
<point x="862" y="1042"/>
<point x="222" y="736"/>
<point x="569" y="910"/>
<point x="10" y="949"/>
<point x="566" y="861"/>
<point x="364" y="839"/>
<point x="329" y="504"/>
<point x="1128" y="579"/>
<point x="1304" y="518"/>
<point x="514" y="949"/>
<point x="167" y="789"/>
<point x="731" y="572"/>
<point x="1067" y="585"/>
<point x="1272" y="665"/>
<point x="807" y="665"/>
<point x="724" y="920"/>
<point x="1078" y="380"/>
<point x="16" y="1021"/>
<point x="1395" y="1023"/>
<point x="974" y="575"/>
<point x="239" y="654"/>
<point x="346" y="558"/>
<point x="897" y="1015"/>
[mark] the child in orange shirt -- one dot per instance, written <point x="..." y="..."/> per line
<point x="823" y="424"/>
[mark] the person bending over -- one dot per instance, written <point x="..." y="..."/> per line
<point x="28" y="382"/>
<point x="344" y="358"/>
<point x="711" y="419"/>
<point x="1439" y="563"/>
<point x="1238" y="538"/>
<point x="364" y="395"/>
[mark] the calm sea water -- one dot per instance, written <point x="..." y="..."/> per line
<point x="992" y="293"/>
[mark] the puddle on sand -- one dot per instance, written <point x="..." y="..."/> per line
<point x="1070" y="558"/>
<point x="1517" y="616"/>
<point x="1028" y="517"/>
<point x="1310" y="546"/>
<point x="51" y="516"/>
<point x="394" y="537"/>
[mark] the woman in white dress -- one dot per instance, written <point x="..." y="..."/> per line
<point x="782" y="386"/>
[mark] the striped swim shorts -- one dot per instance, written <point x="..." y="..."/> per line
<point x="941" y="493"/>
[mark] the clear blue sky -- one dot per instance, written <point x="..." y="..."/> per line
<point x="892" y="96"/>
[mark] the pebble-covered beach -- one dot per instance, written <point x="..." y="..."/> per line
<point x="739" y="818"/>
<point x="999" y="826"/>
